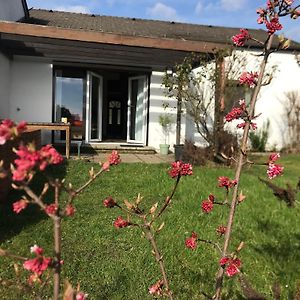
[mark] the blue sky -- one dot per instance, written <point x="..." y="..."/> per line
<point x="232" y="13"/>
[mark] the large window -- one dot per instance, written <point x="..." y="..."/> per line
<point x="69" y="101"/>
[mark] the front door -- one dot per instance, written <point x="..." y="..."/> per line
<point x="137" y="109"/>
<point x="94" y="107"/>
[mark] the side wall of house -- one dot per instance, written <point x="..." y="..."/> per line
<point x="272" y="101"/>
<point x="157" y="99"/>
<point x="5" y="74"/>
<point x="31" y="92"/>
<point x="11" y="10"/>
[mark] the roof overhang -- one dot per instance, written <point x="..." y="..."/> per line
<point x="107" y="38"/>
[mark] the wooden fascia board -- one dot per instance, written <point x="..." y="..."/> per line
<point x="108" y="38"/>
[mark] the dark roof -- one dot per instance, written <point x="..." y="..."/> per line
<point x="140" y="27"/>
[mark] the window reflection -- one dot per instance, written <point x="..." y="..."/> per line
<point x="69" y="99"/>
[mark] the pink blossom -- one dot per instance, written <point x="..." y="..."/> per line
<point x="226" y="182"/>
<point x="20" y="205"/>
<point x="262" y="15"/>
<point x="249" y="78"/>
<point x="231" y="265"/>
<point x="223" y="261"/>
<point x="234" y="114"/>
<point x="240" y="39"/>
<point x="221" y="229"/>
<point x="191" y="242"/>
<point x="156" y="289"/>
<point x="207" y="206"/>
<point x="37" y="265"/>
<point x="81" y="296"/>
<point x="289" y="2"/>
<point x="37" y="250"/>
<point x="114" y="158"/>
<point x="274" y="170"/>
<point x="273" y="25"/>
<point x="211" y="197"/>
<point x="242" y="125"/>
<point x="231" y="270"/>
<point x="121" y="223"/>
<point x="30" y="159"/>
<point x="106" y="166"/>
<point x="109" y="202"/>
<point x="273" y="157"/>
<point x="180" y="169"/>
<point x="51" y="209"/>
<point x="9" y="130"/>
<point x="69" y="210"/>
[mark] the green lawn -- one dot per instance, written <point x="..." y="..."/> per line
<point x="117" y="264"/>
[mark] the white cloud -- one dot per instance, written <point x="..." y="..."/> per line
<point x="199" y="8"/>
<point x="74" y="8"/>
<point x="163" y="12"/>
<point x="232" y="5"/>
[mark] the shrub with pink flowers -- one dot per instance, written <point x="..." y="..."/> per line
<point x="145" y="218"/>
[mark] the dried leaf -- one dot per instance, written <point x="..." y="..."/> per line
<point x="92" y="172"/>
<point x="153" y="208"/>
<point x="17" y="270"/>
<point x="128" y="204"/>
<point x="161" y="227"/>
<point x="286" y="44"/>
<point x="241" y="197"/>
<point x="138" y="199"/>
<point x="240" y="247"/>
<point x="68" y="291"/>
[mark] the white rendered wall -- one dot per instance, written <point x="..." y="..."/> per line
<point x="4" y="86"/>
<point x="157" y="99"/>
<point x="31" y="92"/>
<point x="11" y="10"/>
<point x="271" y="99"/>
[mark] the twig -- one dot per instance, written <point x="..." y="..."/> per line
<point x="220" y="275"/>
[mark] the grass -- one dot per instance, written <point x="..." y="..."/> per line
<point x="117" y="264"/>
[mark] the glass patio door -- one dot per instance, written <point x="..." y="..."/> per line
<point x="94" y="107"/>
<point x="137" y="109"/>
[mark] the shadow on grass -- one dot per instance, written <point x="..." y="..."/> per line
<point x="11" y="223"/>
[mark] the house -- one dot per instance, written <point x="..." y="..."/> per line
<point x="104" y="74"/>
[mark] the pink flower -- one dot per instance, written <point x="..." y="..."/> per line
<point x="51" y="209"/>
<point x="235" y="113"/>
<point x="106" y="166"/>
<point x="37" y="250"/>
<point x="191" y="242"/>
<point x="221" y="230"/>
<point x="20" y="205"/>
<point x="70" y="210"/>
<point x="49" y="156"/>
<point x="262" y="15"/>
<point x="274" y="170"/>
<point x="114" y="158"/>
<point x="226" y="182"/>
<point x="273" y="157"/>
<point x="240" y="39"/>
<point x="273" y="25"/>
<point x="81" y="296"/>
<point x="253" y="126"/>
<point x="211" y="197"/>
<point x="223" y="261"/>
<point x="249" y="78"/>
<point x="231" y="265"/>
<point x="9" y="130"/>
<point x="207" y="206"/>
<point x="231" y="270"/>
<point x="180" y="169"/>
<point x="121" y="223"/>
<point x="109" y="202"/>
<point x="156" y="289"/>
<point x="37" y="265"/>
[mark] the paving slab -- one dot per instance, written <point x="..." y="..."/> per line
<point x="132" y="158"/>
